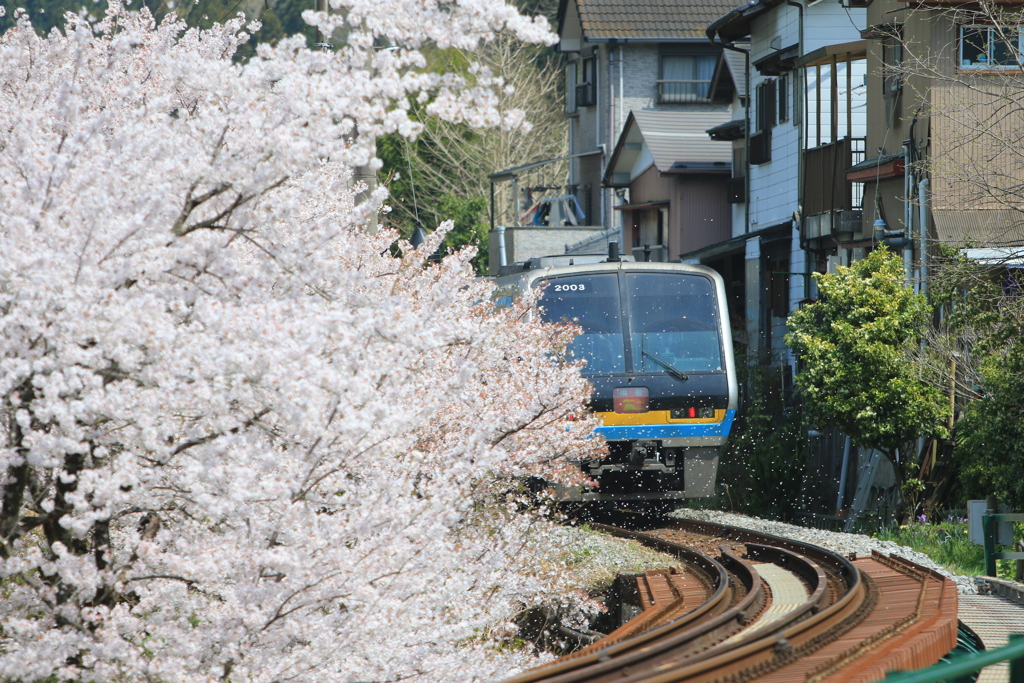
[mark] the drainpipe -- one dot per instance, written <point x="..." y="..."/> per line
<point x="922" y="227"/>
<point x="908" y="214"/>
<point x="798" y="114"/>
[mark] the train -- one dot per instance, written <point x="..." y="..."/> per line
<point x="658" y="349"/>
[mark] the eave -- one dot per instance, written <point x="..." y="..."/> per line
<point x="878" y="168"/>
<point x="731" y="130"/>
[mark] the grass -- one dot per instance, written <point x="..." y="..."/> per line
<point x="947" y="544"/>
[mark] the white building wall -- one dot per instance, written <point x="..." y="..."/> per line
<point x="829" y="23"/>
<point x="774" y="191"/>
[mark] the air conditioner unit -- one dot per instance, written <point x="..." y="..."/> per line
<point x="586" y="95"/>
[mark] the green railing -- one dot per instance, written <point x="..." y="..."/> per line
<point x="988" y="525"/>
<point x="969" y="664"/>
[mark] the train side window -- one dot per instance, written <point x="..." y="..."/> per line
<point x="592" y="302"/>
<point x="674" y="319"/>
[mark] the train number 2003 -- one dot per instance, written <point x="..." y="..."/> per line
<point x="570" y="288"/>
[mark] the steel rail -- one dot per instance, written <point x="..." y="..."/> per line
<point x="715" y="576"/>
<point x="836" y="634"/>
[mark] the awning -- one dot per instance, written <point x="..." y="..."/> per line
<point x="640" y="207"/>
<point x="778" y="62"/>
<point x="730" y="130"/>
<point x="510" y="173"/>
<point x="979" y="228"/>
<point x="1005" y="256"/>
<point x="877" y="168"/>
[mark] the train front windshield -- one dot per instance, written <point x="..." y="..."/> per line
<point x="671" y="323"/>
<point x="592" y="302"/>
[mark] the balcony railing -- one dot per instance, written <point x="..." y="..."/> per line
<point x="683" y="92"/>
<point x="825" y="186"/>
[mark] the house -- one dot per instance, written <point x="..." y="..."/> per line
<point x="946" y="167"/>
<point x="798" y="121"/>
<point x="646" y="63"/>
<point x="798" y="125"/>
<point x="677" y="181"/>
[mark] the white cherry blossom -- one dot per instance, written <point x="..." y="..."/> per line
<point x="244" y="438"/>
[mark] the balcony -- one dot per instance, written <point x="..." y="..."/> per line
<point x="825" y="185"/>
<point x="832" y="205"/>
<point x="683" y="91"/>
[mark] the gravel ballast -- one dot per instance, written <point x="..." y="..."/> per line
<point x="835" y="541"/>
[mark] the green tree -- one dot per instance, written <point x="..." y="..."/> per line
<point x="857" y="374"/>
<point x="977" y="355"/>
<point x="990" y="437"/>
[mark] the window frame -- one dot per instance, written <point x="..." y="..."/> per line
<point x="766" y="105"/>
<point x="782" y="98"/>
<point x="988" y="66"/>
<point x="588" y="71"/>
<point x="893" y="56"/>
<point x="571" y="81"/>
<point x="678" y="51"/>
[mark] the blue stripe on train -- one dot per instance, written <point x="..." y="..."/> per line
<point x="669" y="431"/>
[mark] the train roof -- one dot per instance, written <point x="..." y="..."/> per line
<point x="553" y="266"/>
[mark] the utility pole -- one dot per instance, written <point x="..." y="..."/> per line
<point x="360" y="174"/>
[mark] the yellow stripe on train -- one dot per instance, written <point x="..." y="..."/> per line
<point x="656" y="417"/>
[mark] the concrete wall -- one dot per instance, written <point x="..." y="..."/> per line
<point x="533" y="242"/>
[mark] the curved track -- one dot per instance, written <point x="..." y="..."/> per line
<point x="745" y="606"/>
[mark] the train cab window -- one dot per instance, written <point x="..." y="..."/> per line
<point x="592" y="302"/>
<point x="674" y="323"/>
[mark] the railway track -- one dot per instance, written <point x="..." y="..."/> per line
<point x="744" y="606"/>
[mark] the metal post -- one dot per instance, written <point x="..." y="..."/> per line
<point x="988" y="525"/>
<point x="502" y="254"/>
<point x="325" y="39"/>
<point x="842" y="476"/>
<point x="1016" y="665"/>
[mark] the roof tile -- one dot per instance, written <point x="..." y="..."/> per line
<point x="650" y="19"/>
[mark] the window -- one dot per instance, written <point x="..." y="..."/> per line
<point x="765" y="98"/>
<point x="892" y="61"/>
<point x="766" y="109"/>
<point x="586" y="89"/>
<point x="686" y="78"/>
<point x="990" y="47"/>
<point x="570" y="88"/>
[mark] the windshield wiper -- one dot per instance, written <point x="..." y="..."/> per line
<point x="675" y="371"/>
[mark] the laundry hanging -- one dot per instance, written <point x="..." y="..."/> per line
<point x="566" y="207"/>
<point x="527" y="218"/>
<point x="541" y="216"/>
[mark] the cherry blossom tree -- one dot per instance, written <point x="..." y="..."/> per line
<point x="243" y="440"/>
